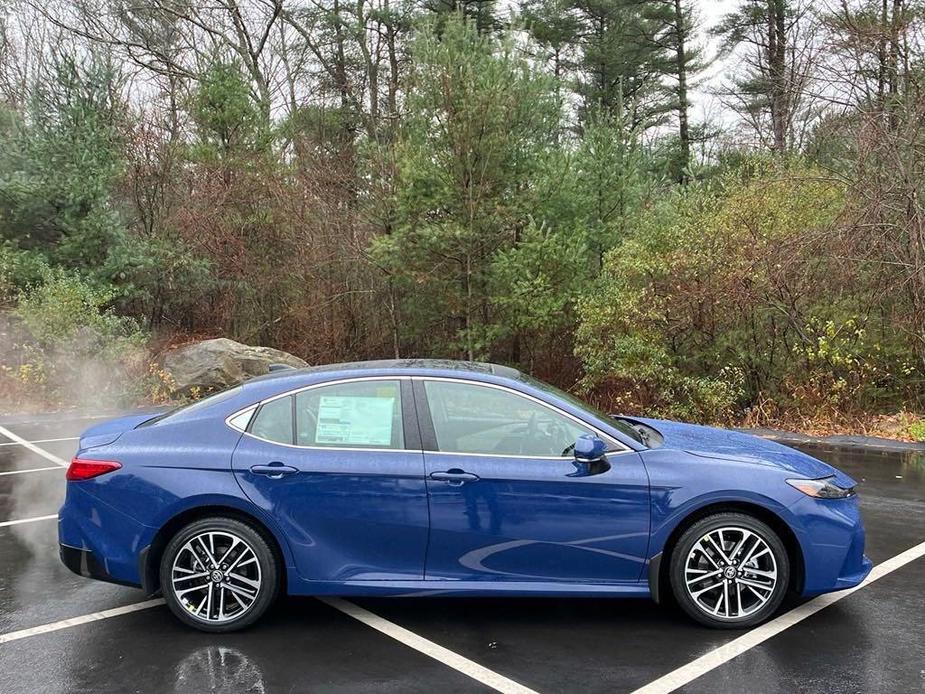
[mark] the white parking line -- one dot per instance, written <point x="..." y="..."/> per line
<point x="34" y="469"/>
<point x="77" y="621"/>
<point x="718" y="656"/>
<point x="20" y="521"/>
<point x="17" y="443"/>
<point x="460" y="663"/>
<point x="32" y="447"/>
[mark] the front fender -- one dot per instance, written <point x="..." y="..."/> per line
<point x="683" y="484"/>
<point x="666" y="521"/>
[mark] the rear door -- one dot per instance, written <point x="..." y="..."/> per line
<point x="339" y="466"/>
<point x="507" y="501"/>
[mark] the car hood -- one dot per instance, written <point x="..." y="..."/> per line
<point x="710" y="442"/>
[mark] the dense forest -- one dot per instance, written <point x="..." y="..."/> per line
<point x="527" y="183"/>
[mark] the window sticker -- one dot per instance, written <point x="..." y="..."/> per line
<point x="349" y="419"/>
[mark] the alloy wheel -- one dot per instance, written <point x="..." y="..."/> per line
<point x="216" y="576"/>
<point x="730" y="573"/>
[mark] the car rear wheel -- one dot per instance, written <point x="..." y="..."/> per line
<point x="219" y="574"/>
<point x="729" y="571"/>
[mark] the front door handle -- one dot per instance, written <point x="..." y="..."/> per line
<point x="274" y="470"/>
<point x="455" y="477"/>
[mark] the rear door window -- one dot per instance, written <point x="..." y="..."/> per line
<point x="355" y="414"/>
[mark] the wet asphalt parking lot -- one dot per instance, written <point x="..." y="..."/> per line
<point x="54" y="639"/>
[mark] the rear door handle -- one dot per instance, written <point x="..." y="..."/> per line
<point x="274" y="470"/>
<point x="454" y="477"/>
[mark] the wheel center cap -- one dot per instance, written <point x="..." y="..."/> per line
<point x="217" y="576"/>
<point x="729" y="572"/>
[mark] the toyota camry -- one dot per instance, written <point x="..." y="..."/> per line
<point x="417" y="477"/>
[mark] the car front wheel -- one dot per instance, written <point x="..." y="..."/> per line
<point x="219" y="574"/>
<point x="729" y="571"/>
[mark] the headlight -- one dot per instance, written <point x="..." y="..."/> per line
<point x="824" y="488"/>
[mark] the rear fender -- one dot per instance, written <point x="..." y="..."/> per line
<point x="202" y="506"/>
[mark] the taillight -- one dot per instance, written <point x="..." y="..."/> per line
<point x="82" y="469"/>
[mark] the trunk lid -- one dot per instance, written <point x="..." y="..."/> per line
<point x="110" y="430"/>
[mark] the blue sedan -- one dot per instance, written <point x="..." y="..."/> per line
<point x="421" y="477"/>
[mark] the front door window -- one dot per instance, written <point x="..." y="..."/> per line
<point x="480" y="419"/>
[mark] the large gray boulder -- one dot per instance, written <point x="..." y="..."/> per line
<point x="215" y="364"/>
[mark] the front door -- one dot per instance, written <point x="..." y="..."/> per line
<point x="505" y="500"/>
<point x="339" y="467"/>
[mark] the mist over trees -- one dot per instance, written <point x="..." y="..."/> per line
<point x="526" y="183"/>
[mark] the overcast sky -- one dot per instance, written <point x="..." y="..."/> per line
<point x="703" y="103"/>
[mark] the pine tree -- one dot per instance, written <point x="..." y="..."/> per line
<point x="482" y="13"/>
<point x="680" y="63"/>
<point x="479" y="120"/>
<point x="555" y="27"/>
<point x="775" y="43"/>
<point x="613" y="51"/>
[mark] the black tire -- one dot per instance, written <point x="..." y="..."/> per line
<point x="265" y="571"/>
<point x="727" y="591"/>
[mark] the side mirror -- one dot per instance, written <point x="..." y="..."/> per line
<point x="589" y="449"/>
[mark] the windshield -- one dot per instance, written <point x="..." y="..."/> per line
<point x="621" y="426"/>
<point x="226" y="394"/>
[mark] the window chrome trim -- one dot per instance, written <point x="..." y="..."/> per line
<point x="560" y="458"/>
<point x="333" y="383"/>
<point x="623" y="448"/>
<point x="312" y="386"/>
<point x="603" y="434"/>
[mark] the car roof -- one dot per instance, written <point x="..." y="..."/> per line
<point x="391" y="367"/>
